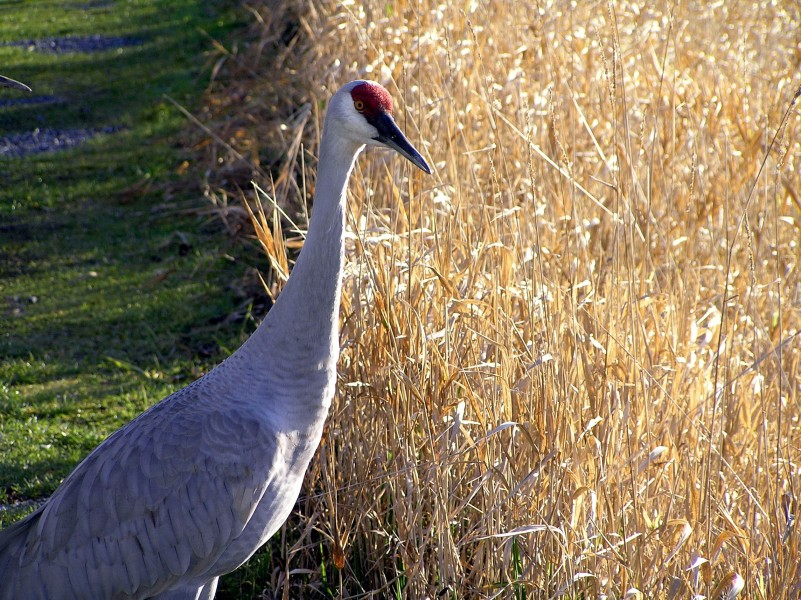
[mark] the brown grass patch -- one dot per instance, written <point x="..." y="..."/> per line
<point x="570" y="359"/>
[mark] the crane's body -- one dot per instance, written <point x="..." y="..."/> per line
<point x="191" y="488"/>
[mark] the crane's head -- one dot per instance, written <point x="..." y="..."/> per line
<point x="363" y="112"/>
<point x="5" y="81"/>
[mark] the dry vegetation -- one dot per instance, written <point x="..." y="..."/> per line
<point x="570" y="360"/>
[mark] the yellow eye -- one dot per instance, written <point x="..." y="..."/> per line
<point x="358" y="105"/>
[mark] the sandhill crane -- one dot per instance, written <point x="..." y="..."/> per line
<point x="7" y="82"/>
<point x="191" y="488"/>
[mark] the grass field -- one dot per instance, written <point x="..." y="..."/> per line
<point x="570" y="361"/>
<point x="113" y="289"/>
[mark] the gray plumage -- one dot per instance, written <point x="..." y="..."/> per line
<point x="191" y="488"/>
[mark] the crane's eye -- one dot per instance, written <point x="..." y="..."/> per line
<point x="358" y="105"/>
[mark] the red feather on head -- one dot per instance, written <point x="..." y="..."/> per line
<point x="374" y="98"/>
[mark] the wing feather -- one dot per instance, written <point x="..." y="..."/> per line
<point x="160" y="499"/>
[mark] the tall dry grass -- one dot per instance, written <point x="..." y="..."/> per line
<point x="570" y="359"/>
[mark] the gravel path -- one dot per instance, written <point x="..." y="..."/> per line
<point x="63" y="45"/>
<point x="30" y="101"/>
<point x="47" y="140"/>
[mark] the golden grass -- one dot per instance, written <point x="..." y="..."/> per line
<point x="570" y="361"/>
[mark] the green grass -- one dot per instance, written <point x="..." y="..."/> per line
<point x="113" y="292"/>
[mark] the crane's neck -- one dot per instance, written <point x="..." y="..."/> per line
<point x="303" y="325"/>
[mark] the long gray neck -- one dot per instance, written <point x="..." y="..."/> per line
<point x="304" y="322"/>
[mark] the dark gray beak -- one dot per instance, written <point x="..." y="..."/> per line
<point x="392" y="137"/>
<point x="5" y="81"/>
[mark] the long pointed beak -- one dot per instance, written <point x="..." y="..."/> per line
<point x="391" y="136"/>
<point x="5" y="81"/>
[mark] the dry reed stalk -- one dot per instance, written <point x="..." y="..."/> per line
<point x="570" y="359"/>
